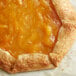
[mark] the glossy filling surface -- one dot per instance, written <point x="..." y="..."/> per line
<point x="28" y="26"/>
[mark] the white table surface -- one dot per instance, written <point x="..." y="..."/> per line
<point x="66" y="68"/>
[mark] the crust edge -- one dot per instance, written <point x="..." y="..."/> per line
<point x="25" y="62"/>
<point x="67" y="32"/>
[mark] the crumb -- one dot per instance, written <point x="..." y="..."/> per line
<point x="62" y="69"/>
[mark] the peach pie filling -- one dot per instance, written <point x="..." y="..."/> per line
<point x="28" y="26"/>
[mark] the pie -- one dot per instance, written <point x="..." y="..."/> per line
<point x="35" y="34"/>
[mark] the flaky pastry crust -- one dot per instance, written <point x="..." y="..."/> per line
<point x="36" y="61"/>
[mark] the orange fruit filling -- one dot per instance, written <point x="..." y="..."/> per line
<point x="28" y="26"/>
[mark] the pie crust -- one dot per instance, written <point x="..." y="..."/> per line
<point x="37" y="61"/>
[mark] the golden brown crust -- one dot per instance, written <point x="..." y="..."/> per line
<point x="36" y="61"/>
<point x="6" y="61"/>
<point x="26" y="62"/>
<point x="67" y="32"/>
<point x="29" y="62"/>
